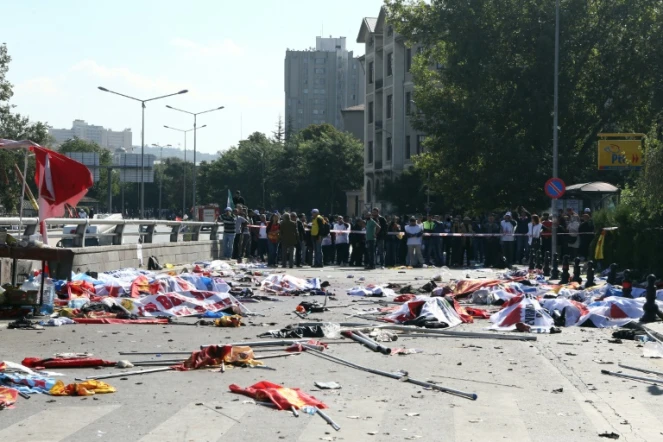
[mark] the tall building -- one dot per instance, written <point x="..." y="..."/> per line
<point x="320" y="82"/>
<point x="107" y="138"/>
<point x="389" y="141"/>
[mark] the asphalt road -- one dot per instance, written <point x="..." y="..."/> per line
<point x="551" y="390"/>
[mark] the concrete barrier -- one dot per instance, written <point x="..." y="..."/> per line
<point x="106" y="258"/>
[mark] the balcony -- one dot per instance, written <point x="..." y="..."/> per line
<point x="379" y="84"/>
<point x="378" y="165"/>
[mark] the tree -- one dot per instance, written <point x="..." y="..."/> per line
<point x="279" y="133"/>
<point x="14" y="127"/>
<point x="289" y="129"/>
<point x="405" y="192"/>
<point x="484" y="87"/>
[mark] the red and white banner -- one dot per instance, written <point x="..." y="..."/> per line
<point x="191" y="303"/>
<point x="521" y="309"/>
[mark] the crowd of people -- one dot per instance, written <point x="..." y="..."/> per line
<point x="297" y="239"/>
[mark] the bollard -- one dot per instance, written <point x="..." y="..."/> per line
<point x="612" y="275"/>
<point x="532" y="252"/>
<point x="554" y="274"/>
<point x="576" y="271"/>
<point x="539" y="260"/>
<point x="650" y="307"/>
<point x="627" y="286"/>
<point x="590" y="275"/>
<point x="565" y="270"/>
<point x="546" y="264"/>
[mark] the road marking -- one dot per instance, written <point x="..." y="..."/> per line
<point x="198" y="423"/>
<point x="370" y="415"/>
<point x="489" y="420"/>
<point x="54" y="424"/>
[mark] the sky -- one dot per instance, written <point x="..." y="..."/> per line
<point x="226" y="53"/>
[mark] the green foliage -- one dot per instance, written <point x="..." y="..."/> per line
<point x="14" y="126"/>
<point x="406" y="192"/>
<point x="313" y="168"/>
<point x="484" y="86"/>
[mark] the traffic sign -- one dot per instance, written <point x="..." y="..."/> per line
<point x="555" y="188"/>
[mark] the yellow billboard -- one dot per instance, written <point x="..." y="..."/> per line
<point x="620" y="154"/>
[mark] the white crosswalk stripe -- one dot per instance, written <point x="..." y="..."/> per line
<point x="200" y="423"/>
<point x="483" y="420"/>
<point x="54" y="424"/>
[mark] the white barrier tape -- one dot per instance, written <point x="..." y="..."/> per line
<point x="480" y="235"/>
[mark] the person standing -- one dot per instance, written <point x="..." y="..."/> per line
<point x="372" y="230"/>
<point x="238" y="199"/>
<point x="586" y="230"/>
<point x="317" y="233"/>
<point x="534" y="228"/>
<point x="414" y="233"/>
<point x="289" y="238"/>
<point x="358" y="243"/>
<point x="478" y="250"/>
<point x="507" y="228"/>
<point x="492" y="242"/>
<point x="262" y="238"/>
<point x="342" y="240"/>
<point x="429" y="227"/>
<point x="381" y="236"/>
<point x="393" y="241"/>
<point x="229" y="223"/>
<point x="300" y="249"/>
<point x="273" y="238"/>
<point x="521" y="235"/>
<point x="546" y="233"/>
<point x="574" y="238"/>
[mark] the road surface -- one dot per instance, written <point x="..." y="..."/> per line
<point x="550" y="390"/>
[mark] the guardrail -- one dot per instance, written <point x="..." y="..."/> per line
<point x="191" y="230"/>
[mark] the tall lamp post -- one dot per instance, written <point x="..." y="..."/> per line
<point x="195" y="116"/>
<point x="142" y="139"/>
<point x="555" y="123"/>
<point x="184" y="171"/>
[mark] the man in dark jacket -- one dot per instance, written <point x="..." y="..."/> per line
<point x="493" y="251"/>
<point x="289" y="238"/>
<point x="586" y="230"/>
<point x="522" y="229"/>
<point x="381" y="236"/>
<point x="301" y="244"/>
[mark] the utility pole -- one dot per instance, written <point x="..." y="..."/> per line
<point x="555" y="124"/>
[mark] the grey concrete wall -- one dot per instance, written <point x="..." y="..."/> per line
<point x="105" y="258"/>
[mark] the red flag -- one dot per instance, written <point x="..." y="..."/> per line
<point x="282" y="397"/>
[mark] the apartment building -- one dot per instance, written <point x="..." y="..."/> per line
<point x="320" y="82"/>
<point x="390" y="141"/>
<point x="107" y="138"/>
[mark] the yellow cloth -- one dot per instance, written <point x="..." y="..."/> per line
<point x="598" y="253"/>
<point x="85" y="388"/>
<point x="229" y="321"/>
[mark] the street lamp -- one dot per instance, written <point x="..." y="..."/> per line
<point x="195" y="116"/>
<point x="142" y="139"/>
<point x="555" y="124"/>
<point x="184" y="168"/>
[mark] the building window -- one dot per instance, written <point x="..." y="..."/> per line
<point x="390" y="148"/>
<point x="320" y="61"/>
<point x="408" y="59"/>
<point x="320" y="70"/>
<point x="370" y="72"/>
<point x="408" y="151"/>
<point x="408" y="103"/>
<point x="420" y="144"/>
<point x="377" y="188"/>
<point x="370" y="113"/>
<point x="368" y="191"/>
<point x="390" y="31"/>
<point x="306" y="91"/>
<point x="390" y="106"/>
<point x="370" y="152"/>
<point x="390" y="64"/>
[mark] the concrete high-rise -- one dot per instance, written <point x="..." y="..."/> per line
<point x="107" y="138"/>
<point x="320" y="82"/>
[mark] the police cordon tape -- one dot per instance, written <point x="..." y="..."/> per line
<point x="479" y="235"/>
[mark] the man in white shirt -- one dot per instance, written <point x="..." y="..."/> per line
<point x="414" y="233"/>
<point x="342" y="240"/>
<point x="262" y="238"/>
<point x="507" y="227"/>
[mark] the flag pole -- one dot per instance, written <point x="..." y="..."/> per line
<point x="25" y="171"/>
